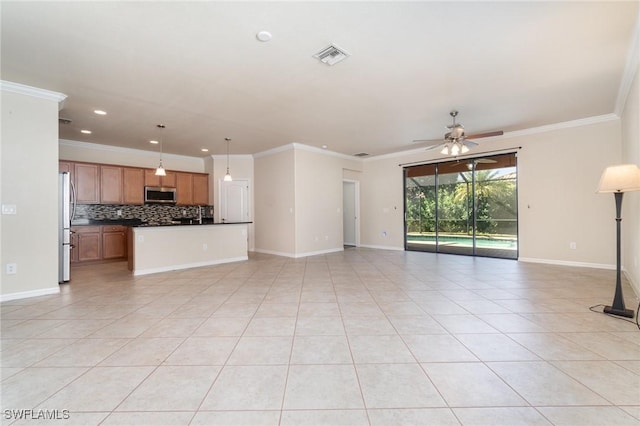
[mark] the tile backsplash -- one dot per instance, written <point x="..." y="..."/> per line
<point x="152" y="213"/>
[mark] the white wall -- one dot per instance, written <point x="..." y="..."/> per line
<point x="274" y="198"/>
<point x="631" y="200"/>
<point x="105" y="154"/>
<point x="318" y="203"/>
<point x="29" y="180"/>
<point x="298" y="200"/>
<point x="558" y="172"/>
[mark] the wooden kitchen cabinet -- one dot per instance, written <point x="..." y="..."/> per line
<point x="133" y="186"/>
<point x="114" y="242"/>
<point x="88" y="243"/>
<point x="87" y="183"/>
<point x="110" y="185"/>
<point x="67" y="166"/>
<point x="96" y="243"/>
<point x="184" y="188"/>
<point x="201" y="189"/>
<point x="168" y="181"/>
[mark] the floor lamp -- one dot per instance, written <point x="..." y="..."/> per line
<point x="619" y="179"/>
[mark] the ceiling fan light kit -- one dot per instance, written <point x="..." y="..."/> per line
<point x="456" y="142"/>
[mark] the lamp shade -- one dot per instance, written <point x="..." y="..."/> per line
<point x="622" y="178"/>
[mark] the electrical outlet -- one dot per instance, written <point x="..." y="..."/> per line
<point x="572" y="245"/>
<point x="205" y="246"/>
<point x="12" y="268"/>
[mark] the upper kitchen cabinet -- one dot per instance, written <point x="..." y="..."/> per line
<point x="150" y="179"/>
<point x="110" y="185"/>
<point x="133" y="186"/>
<point x="201" y="189"/>
<point x="87" y="183"/>
<point x="192" y="188"/>
<point x="184" y="188"/>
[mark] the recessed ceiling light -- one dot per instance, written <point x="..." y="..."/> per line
<point x="204" y="150"/>
<point x="154" y="142"/>
<point x="263" y="35"/>
<point x="86" y="132"/>
<point x="325" y="146"/>
<point x="100" y="112"/>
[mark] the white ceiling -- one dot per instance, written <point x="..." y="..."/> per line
<point x="198" y="68"/>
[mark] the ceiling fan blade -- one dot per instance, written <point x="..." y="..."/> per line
<point x="485" y="161"/>
<point x="430" y="148"/>
<point x="469" y="144"/>
<point x="486" y="135"/>
<point x="426" y="141"/>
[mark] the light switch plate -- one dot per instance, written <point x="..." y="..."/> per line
<point x="9" y="209"/>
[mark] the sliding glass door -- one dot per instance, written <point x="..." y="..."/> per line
<point x="463" y="207"/>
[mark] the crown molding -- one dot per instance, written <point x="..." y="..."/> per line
<point x="630" y="69"/>
<point x="564" y="125"/>
<point x="22" y="89"/>
<point x="232" y="156"/>
<point x="273" y="151"/>
<point x="517" y="133"/>
<point x="303" y="147"/>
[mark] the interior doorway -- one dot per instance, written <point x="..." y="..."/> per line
<point x="350" y="212"/>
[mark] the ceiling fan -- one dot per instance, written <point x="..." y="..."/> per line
<point x="456" y="142"/>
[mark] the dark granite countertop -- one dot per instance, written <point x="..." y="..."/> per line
<point x="139" y="223"/>
<point x="194" y="223"/>
<point x="96" y="222"/>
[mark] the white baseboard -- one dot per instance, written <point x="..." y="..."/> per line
<point x="299" y="255"/>
<point x="567" y="263"/>
<point x="275" y="253"/>
<point x="147" y="271"/>
<point x="382" y="247"/>
<point x="316" y="253"/>
<point x="32" y="293"/>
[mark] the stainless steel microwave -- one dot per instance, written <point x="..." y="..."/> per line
<point x="158" y="194"/>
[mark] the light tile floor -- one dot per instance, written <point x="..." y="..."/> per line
<point x="363" y="337"/>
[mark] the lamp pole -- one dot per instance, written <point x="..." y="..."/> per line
<point x="617" y="307"/>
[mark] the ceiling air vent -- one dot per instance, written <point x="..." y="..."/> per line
<point x="361" y="154"/>
<point x="331" y="55"/>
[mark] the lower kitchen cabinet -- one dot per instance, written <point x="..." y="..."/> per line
<point x="96" y="243"/>
<point x="114" y="242"/>
<point x="88" y="243"/>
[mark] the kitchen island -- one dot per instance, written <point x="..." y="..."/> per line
<point x="155" y="249"/>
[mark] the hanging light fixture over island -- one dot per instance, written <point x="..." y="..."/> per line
<point x="227" y="177"/>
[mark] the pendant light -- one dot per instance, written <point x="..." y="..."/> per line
<point x="160" y="170"/>
<point x="227" y="177"/>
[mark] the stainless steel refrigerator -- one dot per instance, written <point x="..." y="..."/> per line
<point x="65" y="214"/>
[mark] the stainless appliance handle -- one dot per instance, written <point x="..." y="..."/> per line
<point x="73" y="200"/>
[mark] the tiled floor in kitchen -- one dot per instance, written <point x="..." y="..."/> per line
<point x="354" y="338"/>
